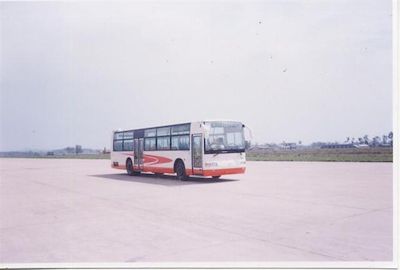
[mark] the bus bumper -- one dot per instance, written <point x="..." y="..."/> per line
<point x="217" y="172"/>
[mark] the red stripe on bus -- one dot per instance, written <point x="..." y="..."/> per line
<point x="152" y="159"/>
<point x="158" y="169"/>
<point x="196" y="172"/>
<point x="214" y="172"/>
<point x="156" y="159"/>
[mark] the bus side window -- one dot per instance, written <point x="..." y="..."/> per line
<point x="174" y="143"/>
<point x="180" y="142"/>
<point x="165" y="131"/>
<point x="181" y="129"/>
<point x="128" y="145"/>
<point x="150" y="132"/>
<point x="184" y="142"/>
<point x="149" y="144"/>
<point x="163" y="143"/>
<point x="128" y="135"/>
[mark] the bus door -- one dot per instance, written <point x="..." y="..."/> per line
<point x="197" y="154"/>
<point x="138" y="154"/>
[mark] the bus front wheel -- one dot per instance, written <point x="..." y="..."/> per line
<point x="180" y="171"/>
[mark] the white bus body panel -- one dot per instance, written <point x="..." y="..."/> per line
<point x="163" y="161"/>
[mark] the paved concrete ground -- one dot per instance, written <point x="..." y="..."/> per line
<point x="84" y="211"/>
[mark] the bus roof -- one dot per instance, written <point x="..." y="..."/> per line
<point x="177" y="124"/>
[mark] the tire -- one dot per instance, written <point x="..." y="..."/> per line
<point x="129" y="167"/>
<point x="180" y="171"/>
<point x="216" y="176"/>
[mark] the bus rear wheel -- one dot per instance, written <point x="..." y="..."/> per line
<point x="129" y="167"/>
<point x="180" y="171"/>
<point x="216" y="176"/>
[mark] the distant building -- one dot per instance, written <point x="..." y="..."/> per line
<point x="288" y="145"/>
<point x="338" y="145"/>
<point x="261" y="147"/>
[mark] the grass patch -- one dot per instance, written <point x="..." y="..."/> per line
<point x="340" y="155"/>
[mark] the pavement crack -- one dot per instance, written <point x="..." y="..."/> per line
<point x="360" y="214"/>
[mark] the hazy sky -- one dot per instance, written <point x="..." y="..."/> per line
<point x="291" y="70"/>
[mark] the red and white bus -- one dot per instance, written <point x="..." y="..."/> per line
<point x="204" y="148"/>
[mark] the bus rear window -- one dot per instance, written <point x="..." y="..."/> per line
<point x="118" y="135"/>
<point x="118" y="145"/>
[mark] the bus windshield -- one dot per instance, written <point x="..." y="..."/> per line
<point x="223" y="137"/>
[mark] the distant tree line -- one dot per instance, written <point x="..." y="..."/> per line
<point x="386" y="140"/>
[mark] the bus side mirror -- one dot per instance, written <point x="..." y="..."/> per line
<point x="248" y="135"/>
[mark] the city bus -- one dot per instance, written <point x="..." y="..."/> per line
<point x="203" y="148"/>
